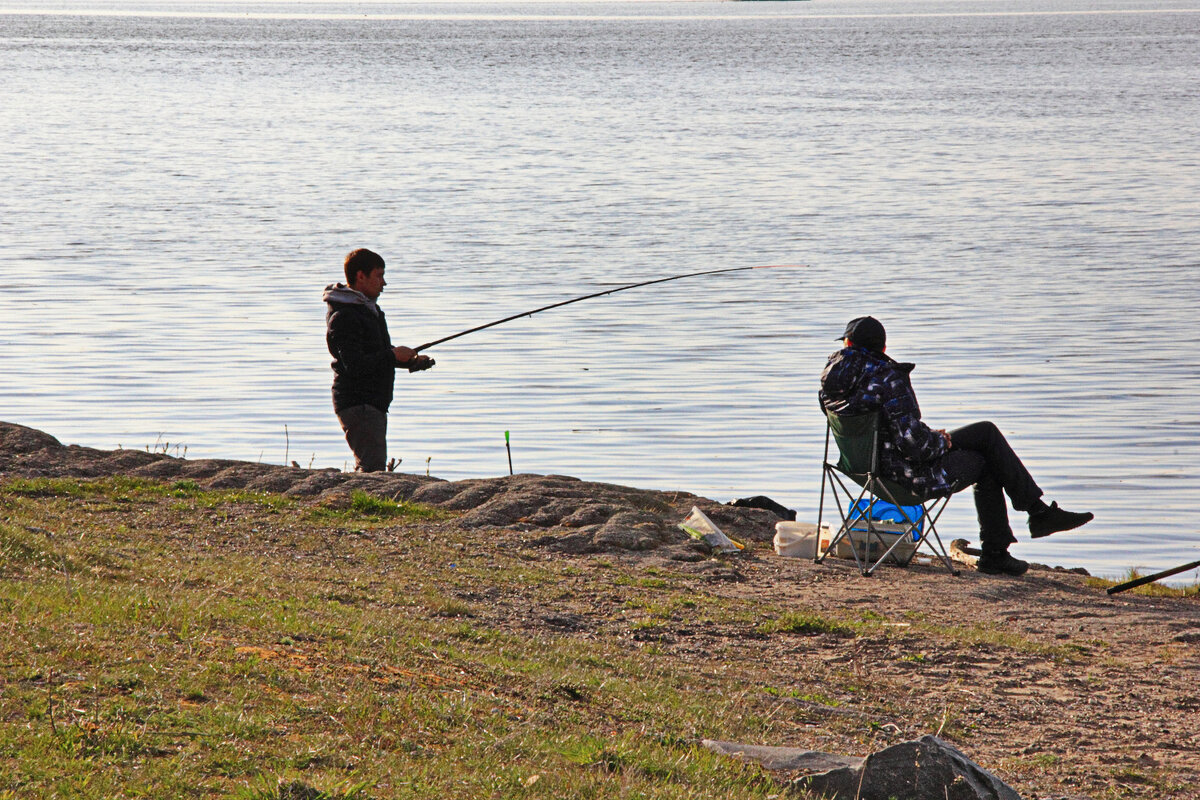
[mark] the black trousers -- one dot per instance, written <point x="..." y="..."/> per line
<point x="980" y="456"/>
<point x="365" y="427"/>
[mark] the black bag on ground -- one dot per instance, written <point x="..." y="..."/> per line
<point x="766" y="503"/>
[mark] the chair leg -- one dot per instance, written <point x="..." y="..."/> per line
<point x="838" y="489"/>
<point x="940" y="552"/>
<point x="865" y="567"/>
<point x="821" y="505"/>
<point x="878" y="490"/>
<point x="826" y="476"/>
<point x="931" y="515"/>
<point x="888" y="552"/>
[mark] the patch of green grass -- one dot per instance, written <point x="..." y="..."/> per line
<point x="1043" y="760"/>
<point x="1149" y="589"/>
<point x="807" y="623"/>
<point x="57" y="487"/>
<point x="1131" y="775"/>
<point x="996" y="635"/>
<point x="448" y="607"/>
<point x="125" y="489"/>
<point x="269" y="788"/>
<point x="22" y="549"/>
<point x="644" y="583"/>
<point x="808" y="697"/>
<point x="367" y="507"/>
<point x="473" y="633"/>
<point x="660" y="608"/>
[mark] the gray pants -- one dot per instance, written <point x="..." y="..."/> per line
<point x="366" y="433"/>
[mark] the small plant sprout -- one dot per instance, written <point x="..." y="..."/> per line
<point x="164" y="447"/>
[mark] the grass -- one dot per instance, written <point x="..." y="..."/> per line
<point x="163" y="640"/>
<point x="997" y="635"/>
<point x="1149" y="589"/>
<point x="808" y="623"/>
<point x="364" y="506"/>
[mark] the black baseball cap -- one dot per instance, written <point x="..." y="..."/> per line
<point x="866" y="332"/>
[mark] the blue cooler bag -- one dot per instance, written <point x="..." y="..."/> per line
<point x="883" y="511"/>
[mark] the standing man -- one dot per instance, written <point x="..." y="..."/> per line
<point x="860" y="379"/>
<point x="364" y="360"/>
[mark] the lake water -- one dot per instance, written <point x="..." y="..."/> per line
<point x="1012" y="187"/>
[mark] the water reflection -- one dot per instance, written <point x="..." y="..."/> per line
<point x="1012" y="195"/>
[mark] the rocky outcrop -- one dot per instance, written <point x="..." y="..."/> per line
<point x="17" y="439"/>
<point x="577" y="516"/>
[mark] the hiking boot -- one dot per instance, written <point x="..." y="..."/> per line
<point x="1001" y="564"/>
<point x="1054" y="519"/>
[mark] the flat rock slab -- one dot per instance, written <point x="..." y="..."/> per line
<point x="790" y="759"/>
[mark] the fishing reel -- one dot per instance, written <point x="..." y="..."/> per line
<point x="420" y="363"/>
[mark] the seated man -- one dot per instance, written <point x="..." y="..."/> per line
<point x="860" y="379"/>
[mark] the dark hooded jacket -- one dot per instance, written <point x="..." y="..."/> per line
<point x="858" y="381"/>
<point x="364" y="366"/>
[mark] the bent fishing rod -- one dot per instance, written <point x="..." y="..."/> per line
<point x="427" y="345"/>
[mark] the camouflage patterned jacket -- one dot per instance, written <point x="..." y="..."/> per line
<point x="858" y="381"/>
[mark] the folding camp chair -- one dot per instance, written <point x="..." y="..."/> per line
<point x="880" y="519"/>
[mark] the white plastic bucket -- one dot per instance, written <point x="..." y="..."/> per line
<point x="796" y="539"/>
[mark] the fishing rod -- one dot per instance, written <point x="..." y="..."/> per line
<point x="1166" y="573"/>
<point x="427" y="345"/>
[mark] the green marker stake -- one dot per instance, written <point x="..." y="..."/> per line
<point x="509" y="451"/>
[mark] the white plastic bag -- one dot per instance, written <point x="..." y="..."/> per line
<point x="699" y="526"/>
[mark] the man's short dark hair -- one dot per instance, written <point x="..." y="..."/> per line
<point x="361" y="260"/>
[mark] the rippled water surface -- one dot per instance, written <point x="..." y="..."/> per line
<point x="1011" y="187"/>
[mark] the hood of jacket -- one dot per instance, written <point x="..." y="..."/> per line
<point x="342" y="294"/>
<point x="851" y="367"/>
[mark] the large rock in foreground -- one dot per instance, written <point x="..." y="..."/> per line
<point x="924" y="769"/>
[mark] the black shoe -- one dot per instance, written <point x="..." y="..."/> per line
<point x="1055" y="519"/>
<point x="1001" y="564"/>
